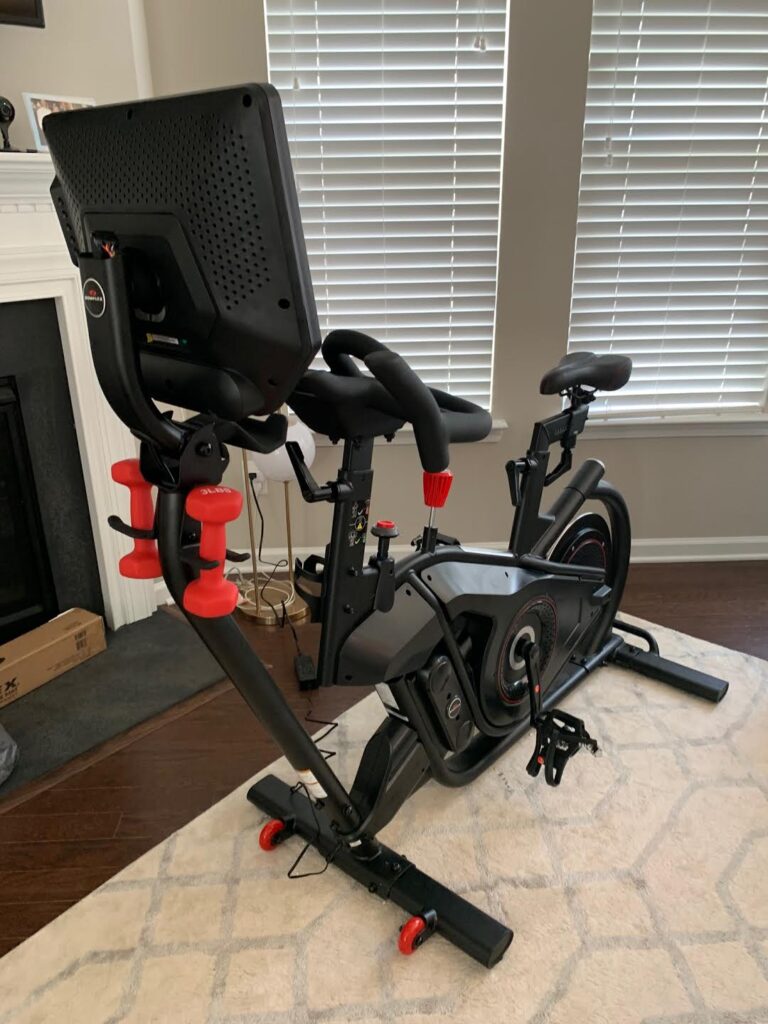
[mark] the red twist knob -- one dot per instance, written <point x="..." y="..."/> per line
<point x="436" y="488"/>
<point x="210" y="595"/>
<point x="143" y="563"/>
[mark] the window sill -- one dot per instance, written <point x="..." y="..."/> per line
<point x="406" y="436"/>
<point x="680" y="426"/>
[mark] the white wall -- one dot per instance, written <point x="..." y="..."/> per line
<point x="85" y="49"/>
<point x="199" y="44"/>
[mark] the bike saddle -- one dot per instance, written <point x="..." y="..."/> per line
<point x="585" y="369"/>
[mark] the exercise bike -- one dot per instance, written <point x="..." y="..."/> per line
<point x="181" y="214"/>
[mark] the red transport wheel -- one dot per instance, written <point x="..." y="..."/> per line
<point x="268" y="837"/>
<point x="412" y="934"/>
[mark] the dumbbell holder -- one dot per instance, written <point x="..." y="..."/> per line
<point x="191" y="555"/>
<point x="117" y="524"/>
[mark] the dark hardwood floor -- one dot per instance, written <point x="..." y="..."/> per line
<point x="723" y="602"/>
<point x="62" y="836"/>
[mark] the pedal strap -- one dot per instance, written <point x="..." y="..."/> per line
<point x="558" y="737"/>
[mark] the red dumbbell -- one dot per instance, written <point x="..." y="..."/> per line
<point x="143" y="563"/>
<point x="210" y="595"/>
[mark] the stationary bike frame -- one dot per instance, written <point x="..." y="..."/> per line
<point x="141" y="218"/>
<point x="342" y="825"/>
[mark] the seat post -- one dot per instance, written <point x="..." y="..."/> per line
<point x="528" y="476"/>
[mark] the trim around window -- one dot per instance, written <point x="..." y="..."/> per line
<point x="753" y="425"/>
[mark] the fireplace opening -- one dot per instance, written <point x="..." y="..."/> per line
<point x="27" y="593"/>
<point x="47" y="553"/>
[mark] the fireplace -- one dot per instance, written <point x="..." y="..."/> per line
<point x="47" y="555"/>
<point x="27" y="594"/>
<point x="39" y="284"/>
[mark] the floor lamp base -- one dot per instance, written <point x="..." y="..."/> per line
<point x="273" y="595"/>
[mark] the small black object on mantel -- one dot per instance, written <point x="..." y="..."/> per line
<point x="7" y="114"/>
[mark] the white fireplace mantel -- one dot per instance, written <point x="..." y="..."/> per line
<point x="35" y="264"/>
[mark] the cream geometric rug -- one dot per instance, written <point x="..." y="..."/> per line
<point x="638" y="890"/>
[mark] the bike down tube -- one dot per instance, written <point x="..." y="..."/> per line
<point x="579" y="488"/>
<point x="227" y="643"/>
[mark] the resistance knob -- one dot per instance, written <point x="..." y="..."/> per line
<point x="143" y="563"/>
<point x="210" y="595"/>
<point x="436" y="488"/>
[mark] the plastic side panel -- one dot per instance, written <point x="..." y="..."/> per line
<point x="449" y="580"/>
<point x="386" y="645"/>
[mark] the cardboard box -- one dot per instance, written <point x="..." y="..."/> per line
<point x="44" y="653"/>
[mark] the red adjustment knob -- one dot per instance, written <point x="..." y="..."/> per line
<point x="436" y="488"/>
<point x="143" y="563"/>
<point x="210" y="595"/>
<point x="385" y="528"/>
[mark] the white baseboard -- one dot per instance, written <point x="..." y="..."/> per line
<point x="683" y="549"/>
<point x="658" y="549"/>
<point x="700" y="549"/>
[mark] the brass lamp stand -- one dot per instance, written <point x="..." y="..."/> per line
<point x="267" y="603"/>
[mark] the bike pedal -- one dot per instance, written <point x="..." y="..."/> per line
<point x="559" y="736"/>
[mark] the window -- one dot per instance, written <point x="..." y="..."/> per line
<point x="394" y="119"/>
<point x="671" y="259"/>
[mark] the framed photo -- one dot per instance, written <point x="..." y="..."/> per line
<point x="39" y="106"/>
<point x="22" y="12"/>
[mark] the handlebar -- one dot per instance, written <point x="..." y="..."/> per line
<point x="437" y="417"/>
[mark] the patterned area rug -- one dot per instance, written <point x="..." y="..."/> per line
<point x="638" y="891"/>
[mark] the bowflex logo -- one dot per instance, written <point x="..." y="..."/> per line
<point x="9" y="690"/>
<point x="94" y="298"/>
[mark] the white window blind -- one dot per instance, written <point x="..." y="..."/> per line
<point x="671" y="261"/>
<point x="394" y="112"/>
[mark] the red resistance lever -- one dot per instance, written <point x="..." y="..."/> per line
<point x="143" y="563"/>
<point x="436" y="488"/>
<point x="210" y="595"/>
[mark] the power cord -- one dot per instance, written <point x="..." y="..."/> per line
<point x="303" y="665"/>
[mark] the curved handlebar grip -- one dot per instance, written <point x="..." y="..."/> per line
<point x="437" y="417"/>
<point x="340" y="346"/>
<point x="419" y="405"/>
<point x="464" y="420"/>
